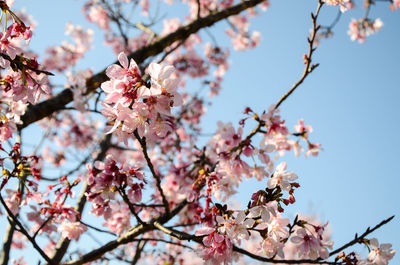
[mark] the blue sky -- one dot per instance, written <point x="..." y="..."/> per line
<point x="351" y="100"/>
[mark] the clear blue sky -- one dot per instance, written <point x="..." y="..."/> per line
<point x="351" y="100"/>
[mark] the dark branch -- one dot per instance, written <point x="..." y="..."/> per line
<point x="358" y="239"/>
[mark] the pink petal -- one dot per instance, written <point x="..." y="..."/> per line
<point x="204" y="231"/>
<point x="123" y="60"/>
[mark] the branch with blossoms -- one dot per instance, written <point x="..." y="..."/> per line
<point x="307" y="70"/>
<point x="46" y="108"/>
<point x="341" y="259"/>
<point x="219" y="243"/>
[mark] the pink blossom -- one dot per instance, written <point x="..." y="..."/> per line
<point x="265" y="211"/>
<point x="344" y="4"/>
<point x="124" y="81"/>
<point x="97" y="14"/>
<point x="236" y="228"/>
<point x="72" y="230"/>
<point x="310" y="246"/>
<point x="191" y="64"/>
<point x="277" y="228"/>
<point x="271" y="247"/>
<point x="164" y="81"/>
<point x="313" y="149"/>
<point x="170" y="25"/>
<point x="360" y="29"/>
<point x="380" y="253"/>
<point x="259" y="172"/>
<point x="282" y="178"/>
<point x="302" y="129"/>
<point x="13" y="200"/>
<point x="6" y="46"/>
<point x="67" y="54"/>
<point x="395" y="4"/>
<point x="119" y="220"/>
<point x="77" y="83"/>
<point x="7" y="128"/>
<point x="19" y="261"/>
<point x="217" y="248"/>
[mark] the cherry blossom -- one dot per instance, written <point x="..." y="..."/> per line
<point x="380" y="254"/>
<point x="235" y="229"/>
<point x="72" y="230"/>
<point x="310" y="246"/>
<point x="282" y="178"/>
<point x="217" y="248"/>
<point x="360" y="29"/>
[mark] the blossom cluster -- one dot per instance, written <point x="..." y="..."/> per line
<point x="132" y="106"/>
<point x="230" y="149"/>
<point x="22" y="82"/>
<point x="360" y="29"/>
<point x="62" y="57"/>
<point x="344" y="4"/>
<point x="106" y="181"/>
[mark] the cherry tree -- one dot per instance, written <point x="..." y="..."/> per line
<point x="138" y="179"/>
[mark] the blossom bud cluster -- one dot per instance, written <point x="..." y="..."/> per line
<point x="106" y="182"/>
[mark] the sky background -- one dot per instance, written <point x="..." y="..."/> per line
<point x="351" y="100"/>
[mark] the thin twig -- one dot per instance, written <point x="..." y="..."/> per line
<point x="142" y="142"/>
<point x="309" y="67"/>
<point x="97" y="229"/>
<point x="130" y="205"/>
<point x="167" y="242"/>
<point x="198" y="8"/>
<point x="358" y="239"/>
<point x="9" y="233"/>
